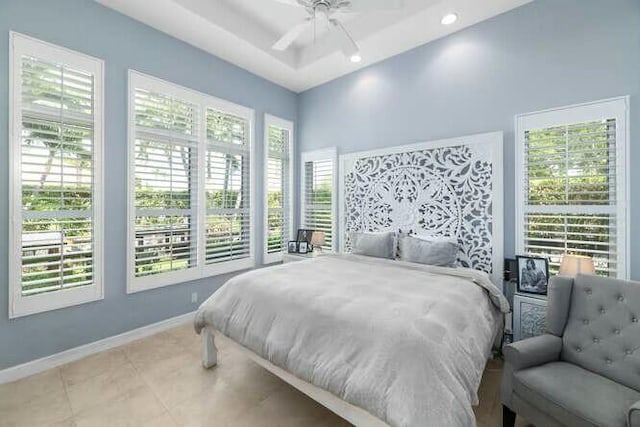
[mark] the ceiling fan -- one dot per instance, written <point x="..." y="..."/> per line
<point x="325" y="10"/>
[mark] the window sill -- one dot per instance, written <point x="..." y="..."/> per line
<point x="40" y="303"/>
<point x="140" y="284"/>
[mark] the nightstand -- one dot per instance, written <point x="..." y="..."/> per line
<point x="529" y="315"/>
<point x="293" y="257"/>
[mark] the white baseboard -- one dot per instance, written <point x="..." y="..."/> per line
<point x="39" y="365"/>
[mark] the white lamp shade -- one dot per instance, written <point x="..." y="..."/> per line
<point x="317" y="238"/>
<point x="572" y="265"/>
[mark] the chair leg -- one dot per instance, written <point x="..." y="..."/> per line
<point x="508" y="417"/>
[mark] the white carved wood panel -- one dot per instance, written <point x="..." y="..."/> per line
<point x="448" y="188"/>
<point x="529" y="316"/>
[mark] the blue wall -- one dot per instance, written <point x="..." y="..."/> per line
<point x="123" y="43"/>
<point x="546" y="54"/>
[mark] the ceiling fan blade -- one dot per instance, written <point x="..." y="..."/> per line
<point x="302" y="3"/>
<point x="289" y="2"/>
<point x="368" y="5"/>
<point x="348" y="45"/>
<point x="290" y="36"/>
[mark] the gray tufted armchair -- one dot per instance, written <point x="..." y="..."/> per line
<point x="585" y="371"/>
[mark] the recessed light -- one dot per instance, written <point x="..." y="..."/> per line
<point x="449" y="19"/>
<point x="355" y="58"/>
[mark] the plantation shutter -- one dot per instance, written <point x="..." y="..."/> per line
<point x="318" y="198"/>
<point x="165" y="171"/>
<point x="227" y="188"/>
<point x="190" y="172"/>
<point x="57" y="163"/>
<point x="574" y="193"/>
<point x="278" y="189"/>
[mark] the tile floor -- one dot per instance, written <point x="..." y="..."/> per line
<point x="158" y="381"/>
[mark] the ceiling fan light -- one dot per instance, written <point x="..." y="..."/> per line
<point x="449" y="18"/>
<point x="355" y="58"/>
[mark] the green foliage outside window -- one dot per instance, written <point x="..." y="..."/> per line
<point x="570" y="166"/>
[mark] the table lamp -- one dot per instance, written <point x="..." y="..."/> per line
<point x="317" y="240"/>
<point x="572" y="265"/>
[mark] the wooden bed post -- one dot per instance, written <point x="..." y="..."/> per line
<point x="209" y="350"/>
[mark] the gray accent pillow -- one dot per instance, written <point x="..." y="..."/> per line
<point x="379" y="245"/>
<point x="433" y="251"/>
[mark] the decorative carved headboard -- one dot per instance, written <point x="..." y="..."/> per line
<point x="450" y="187"/>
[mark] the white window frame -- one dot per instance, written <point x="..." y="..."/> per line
<point x="269" y="121"/>
<point x="617" y="108"/>
<point x="319" y="155"/>
<point x="20" y="305"/>
<point x="203" y="102"/>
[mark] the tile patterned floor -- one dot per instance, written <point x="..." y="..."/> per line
<point x="158" y="381"/>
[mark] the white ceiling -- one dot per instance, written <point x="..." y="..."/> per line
<point x="242" y="32"/>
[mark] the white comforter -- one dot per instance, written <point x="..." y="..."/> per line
<point x="406" y="342"/>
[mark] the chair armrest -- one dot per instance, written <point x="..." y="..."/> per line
<point x="634" y="415"/>
<point x="533" y="351"/>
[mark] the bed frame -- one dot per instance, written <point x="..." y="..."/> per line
<point x="465" y="173"/>
<point x="355" y="415"/>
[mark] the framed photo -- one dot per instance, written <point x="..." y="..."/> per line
<point x="304" y="235"/>
<point x="533" y="274"/>
<point x="303" y="247"/>
<point x="292" y="247"/>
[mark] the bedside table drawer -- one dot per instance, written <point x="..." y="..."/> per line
<point x="529" y="316"/>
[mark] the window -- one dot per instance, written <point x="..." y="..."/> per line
<point x="165" y="151"/>
<point x="573" y="172"/>
<point x="319" y="188"/>
<point x="56" y="193"/>
<point x="190" y="183"/>
<point x="227" y="186"/>
<point x="278" y="195"/>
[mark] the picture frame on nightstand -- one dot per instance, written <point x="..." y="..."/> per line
<point x="532" y="274"/>
<point x="304" y="235"/>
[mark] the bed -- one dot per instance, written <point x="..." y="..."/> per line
<point x="384" y="342"/>
<point x="405" y="342"/>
